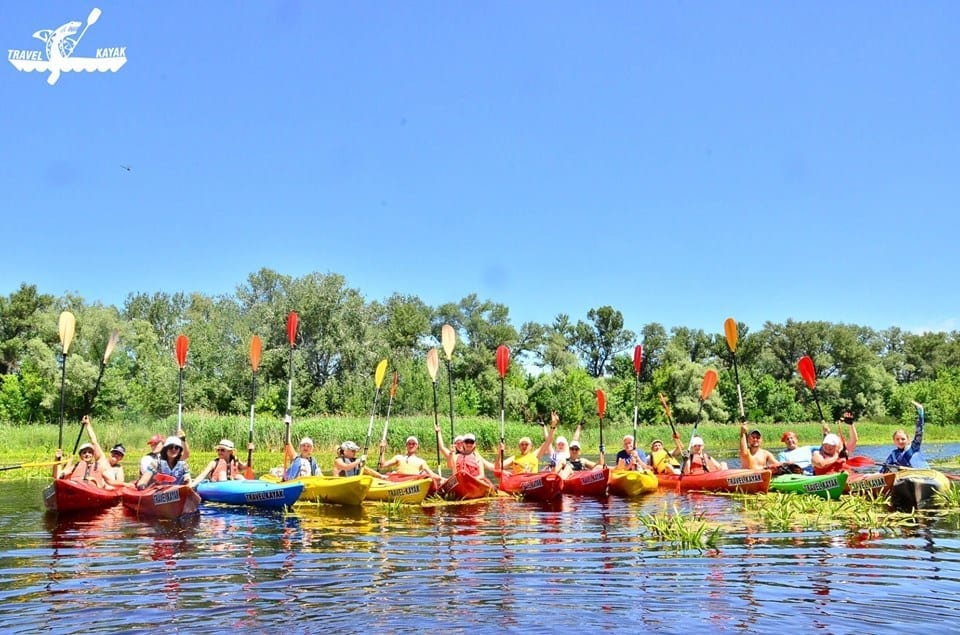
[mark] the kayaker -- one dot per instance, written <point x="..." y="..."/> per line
<point x="448" y="454"/>
<point x="631" y="458"/>
<point x="305" y="464"/>
<point x="170" y="465"/>
<point x="225" y="467"/>
<point x="799" y="455"/>
<point x="113" y="475"/>
<point x="664" y="462"/>
<point x="752" y="455"/>
<point x="902" y="455"/>
<point x="575" y="462"/>
<point x="87" y="469"/>
<point x="410" y="463"/>
<point x="156" y="444"/>
<point x="833" y="452"/>
<point x="698" y="461"/>
<point x="528" y="461"/>
<point x="470" y="461"/>
<point x="347" y="463"/>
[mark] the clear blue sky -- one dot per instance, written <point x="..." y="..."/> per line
<point x="683" y="162"/>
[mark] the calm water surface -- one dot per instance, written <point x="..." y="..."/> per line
<point x="501" y="566"/>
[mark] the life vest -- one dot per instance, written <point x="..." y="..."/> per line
<point x="468" y="464"/>
<point x="663" y="462"/>
<point x="224" y="470"/>
<point x="576" y="465"/>
<point x="89" y="472"/>
<point x="698" y="464"/>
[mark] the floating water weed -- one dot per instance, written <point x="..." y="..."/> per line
<point x="791" y="512"/>
<point x="685" y="531"/>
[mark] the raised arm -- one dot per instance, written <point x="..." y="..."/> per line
<point x="548" y="442"/>
<point x="918" y="433"/>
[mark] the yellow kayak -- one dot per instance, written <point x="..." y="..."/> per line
<point x="412" y="492"/>
<point x="631" y="482"/>
<point x="336" y="490"/>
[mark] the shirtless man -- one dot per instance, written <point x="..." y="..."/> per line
<point x="752" y="456"/>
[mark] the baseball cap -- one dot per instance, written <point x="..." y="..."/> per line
<point x="574" y="444"/>
<point x="155" y="439"/>
<point x="469" y="437"/>
<point x="755" y="432"/>
<point x="696" y="441"/>
<point x="831" y="439"/>
<point x="349" y="445"/>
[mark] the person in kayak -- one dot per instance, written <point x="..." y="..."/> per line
<point x="470" y="461"/>
<point x="903" y="456"/>
<point x="833" y="452"/>
<point x="574" y="462"/>
<point x="796" y="454"/>
<point x="528" y="461"/>
<point x="698" y="461"/>
<point x="113" y="474"/>
<point x="169" y="468"/>
<point x="155" y="444"/>
<point x="752" y="454"/>
<point x="631" y="458"/>
<point x="87" y="469"/>
<point x="664" y="462"/>
<point x="410" y="464"/>
<point x="304" y="464"/>
<point x="347" y="463"/>
<point x="226" y="467"/>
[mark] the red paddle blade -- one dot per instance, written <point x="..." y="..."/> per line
<point x="601" y="402"/>
<point x="709" y="381"/>
<point x="807" y="371"/>
<point x="255" y="347"/>
<point x="637" y="358"/>
<point x="860" y="461"/>
<point x="292" y="321"/>
<point x="730" y="330"/>
<point x="393" y="386"/>
<point x="503" y="360"/>
<point x="181" y="350"/>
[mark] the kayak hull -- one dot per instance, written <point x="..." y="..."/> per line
<point x="251" y="493"/>
<point x="168" y="502"/>
<point x="828" y="486"/>
<point x="631" y="483"/>
<point x="588" y="482"/>
<point x="410" y="492"/>
<point x="735" y="480"/>
<point x="915" y="488"/>
<point x="65" y="496"/>
<point x="539" y="486"/>
<point x="396" y="477"/>
<point x="873" y="484"/>
<point x="334" y="490"/>
<point x="465" y="486"/>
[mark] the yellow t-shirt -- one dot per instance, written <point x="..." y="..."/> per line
<point x="526" y="463"/>
<point x="663" y="463"/>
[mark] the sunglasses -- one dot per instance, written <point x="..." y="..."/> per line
<point x="116" y="454"/>
<point x="469" y="441"/>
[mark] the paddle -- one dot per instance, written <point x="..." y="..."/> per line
<point x="433" y="363"/>
<point x="91" y="20"/>
<point x="666" y="410"/>
<point x="378" y="375"/>
<point x="503" y="362"/>
<point x="601" y="408"/>
<point x="288" y="452"/>
<point x="180" y="348"/>
<point x="20" y="465"/>
<point x="637" y="363"/>
<point x="111" y="344"/>
<point x="65" y="328"/>
<point x="809" y="374"/>
<point x="386" y="421"/>
<point x="730" y="328"/>
<point x="255" y="349"/>
<point x="448" y="338"/>
<point x="709" y="381"/>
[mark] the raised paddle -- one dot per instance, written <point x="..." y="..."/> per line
<point x="637" y="364"/>
<point x="601" y="408"/>
<point x="809" y="374"/>
<point x="503" y="362"/>
<point x="730" y="329"/>
<point x="378" y="376"/>
<point x="448" y="338"/>
<point x="386" y="420"/>
<point x="111" y="344"/>
<point x="65" y="328"/>
<point x="666" y="411"/>
<point x="433" y="364"/>
<point x="180" y="348"/>
<point x="288" y="452"/>
<point x="706" y="387"/>
<point x="255" y="349"/>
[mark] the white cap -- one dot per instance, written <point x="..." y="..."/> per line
<point x="469" y="437"/>
<point x="831" y="439"/>
<point x="414" y="439"/>
<point x="574" y="444"/>
<point x="226" y="444"/>
<point x="306" y="441"/>
<point x="349" y="445"/>
<point x="458" y="438"/>
<point x="173" y="441"/>
<point x="696" y="441"/>
<point x="85" y="446"/>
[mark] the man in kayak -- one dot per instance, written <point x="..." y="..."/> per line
<point x="575" y="462"/>
<point x="630" y="458"/>
<point x="528" y="461"/>
<point x="664" y="462"/>
<point x="410" y="464"/>
<point x="347" y="463"/>
<point x="752" y="454"/>
<point x="902" y="455"/>
<point x="796" y="454"/>
<point x="699" y="462"/>
<point x="305" y="464"/>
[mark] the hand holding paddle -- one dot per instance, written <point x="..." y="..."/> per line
<point x="730" y="329"/>
<point x="809" y="374"/>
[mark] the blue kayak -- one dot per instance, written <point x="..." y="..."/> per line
<point x="255" y="493"/>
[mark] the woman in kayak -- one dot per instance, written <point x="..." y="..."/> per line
<point x="305" y="464"/>
<point x="448" y="454"/>
<point x="470" y="461"/>
<point x="902" y="455"/>
<point x="664" y="462"/>
<point x="170" y="466"/>
<point x="348" y="463"/>
<point x="225" y="467"/>
<point x="528" y="461"/>
<point x="87" y="469"/>
<point x="699" y="462"/>
<point x="575" y="462"/>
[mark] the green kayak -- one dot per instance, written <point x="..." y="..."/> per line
<point x="824" y="486"/>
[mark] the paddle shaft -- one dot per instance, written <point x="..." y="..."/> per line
<point x="373" y="414"/>
<point x="450" y="387"/>
<point x="636" y="410"/>
<point x="386" y="421"/>
<point x="63" y="392"/>
<point x="736" y="376"/>
<point x="436" y="424"/>
<point x="503" y="436"/>
<point x="22" y="465"/>
<point x="253" y="401"/>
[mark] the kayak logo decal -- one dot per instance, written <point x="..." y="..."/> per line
<point x="60" y="44"/>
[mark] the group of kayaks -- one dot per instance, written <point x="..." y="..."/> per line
<point x="908" y="488"/>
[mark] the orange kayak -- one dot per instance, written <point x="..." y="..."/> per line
<point x="872" y="484"/>
<point x="539" y="486"/>
<point x="736" y="480"/>
<point x="65" y="496"/>
<point x="463" y="486"/>
<point x="588" y="482"/>
<point x="168" y="502"/>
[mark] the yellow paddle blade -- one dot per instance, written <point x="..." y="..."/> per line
<point x="381" y="371"/>
<point x="111" y="344"/>
<point x="448" y="337"/>
<point x="709" y="381"/>
<point x="433" y="363"/>
<point x="65" y="327"/>
<point x="730" y="328"/>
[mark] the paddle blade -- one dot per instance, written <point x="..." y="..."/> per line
<point x="433" y="363"/>
<point x="730" y="329"/>
<point x="111" y="344"/>
<point x="807" y="371"/>
<point x="65" y="327"/>
<point x="93" y="17"/>
<point x="292" y="321"/>
<point x="448" y="337"/>
<point x="503" y="360"/>
<point x="380" y="373"/>
<point x="393" y="386"/>
<point x="709" y="381"/>
<point x="181" y="350"/>
<point x="256" y="347"/>
<point x="860" y="461"/>
<point x="601" y="402"/>
<point x="666" y="406"/>
<point x="637" y="358"/>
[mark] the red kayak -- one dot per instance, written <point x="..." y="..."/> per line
<point x="168" y="502"/>
<point x="736" y="480"/>
<point x="65" y="496"/>
<point x="463" y="486"/>
<point x="396" y="477"/>
<point x="539" y="486"/>
<point x="873" y="484"/>
<point x="588" y="482"/>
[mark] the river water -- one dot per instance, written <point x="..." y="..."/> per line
<point x="501" y="566"/>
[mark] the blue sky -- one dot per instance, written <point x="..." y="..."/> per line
<point x="683" y="162"/>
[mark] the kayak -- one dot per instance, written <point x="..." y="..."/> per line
<point x="255" y="493"/>
<point x="397" y="477"/>
<point x="736" y="480"/>
<point x="336" y="490"/>
<point x="539" y="486"/>
<point x="828" y="486"/>
<point x="411" y="492"/>
<point x="464" y="486"/>
<point x="915" y="488"/>
<point x="872" y="484"/>
<point x="632" y="482"/>
<point x="168" y="502"/>
<point x="65" y="496"/>
<point x="587" y="482"/>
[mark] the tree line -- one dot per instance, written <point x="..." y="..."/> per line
<point x="342" y="337"/>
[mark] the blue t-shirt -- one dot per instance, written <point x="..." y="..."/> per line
<point x="801" y="456"/>
<point x="909" y="456"/>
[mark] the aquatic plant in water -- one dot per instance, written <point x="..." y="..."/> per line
<point x="779" y="511"/>
<point x="684" y="531"/>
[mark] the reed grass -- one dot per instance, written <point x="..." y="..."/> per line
<point x="778" y="511"/>
<point x="684" y="531"/>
